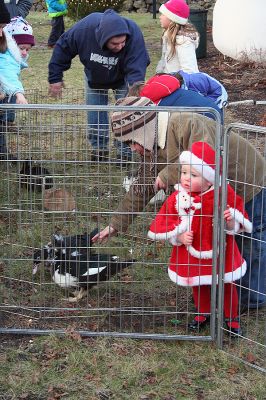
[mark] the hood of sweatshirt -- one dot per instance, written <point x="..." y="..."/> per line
<point x="111" y="24"/>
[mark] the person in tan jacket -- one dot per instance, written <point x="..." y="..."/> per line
<point x="158" y="170"/>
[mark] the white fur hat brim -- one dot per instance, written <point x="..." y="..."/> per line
<point x="208" y="173"/>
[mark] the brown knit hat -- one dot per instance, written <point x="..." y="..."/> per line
<point x="135" y="126"/>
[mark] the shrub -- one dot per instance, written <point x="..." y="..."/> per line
<point x="78" y="9"/>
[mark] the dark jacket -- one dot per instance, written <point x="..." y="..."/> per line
<point x="103" y="68"/>
<point x="189" y="98"/>
<point x="20" y="8"/>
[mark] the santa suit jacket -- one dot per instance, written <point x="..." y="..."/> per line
<point x="181" y="212"/>
<point x="245" y="165"/>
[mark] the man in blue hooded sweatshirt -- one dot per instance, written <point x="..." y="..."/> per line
<point x="114" y="56"/>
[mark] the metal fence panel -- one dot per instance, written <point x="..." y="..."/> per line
<point x="138" y="301"/>
<point x="251" y="288"/>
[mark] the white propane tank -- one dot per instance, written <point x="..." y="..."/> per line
<point x="239" y="29"/>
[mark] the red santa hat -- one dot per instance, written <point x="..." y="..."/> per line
<point x="176" y="10"/>
<point x="202" y="159"/>
<point x="160" y="86"/>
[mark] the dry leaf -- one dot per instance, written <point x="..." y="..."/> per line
<point x="250" y="358"/>
<point x="71" y="333"/>
<point x="182" y="391"/>
<point x="232" y="370"/>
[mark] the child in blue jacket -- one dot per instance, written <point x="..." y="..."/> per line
<point x="56" y="10"/>
<point x="166" y="90"/>
<point x="204" y="84"/>
<point x="16" y="41"/>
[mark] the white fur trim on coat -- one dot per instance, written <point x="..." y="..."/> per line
<point x="207" y="279"/>
<point x="181" y="228"/>
<point x="200" y="254"/>
<point x="245" y="224"/>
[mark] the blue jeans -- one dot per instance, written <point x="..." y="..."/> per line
<point x="5" y="117"/>
<point x="252" y="292"/>
<point x="98" y="123"/>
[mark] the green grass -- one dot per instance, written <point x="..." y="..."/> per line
<point x="71" y="368"/>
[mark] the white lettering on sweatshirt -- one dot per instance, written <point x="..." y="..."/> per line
<point x="106" y="61"/>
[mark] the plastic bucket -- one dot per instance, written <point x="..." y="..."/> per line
<point x="199" y="19"/>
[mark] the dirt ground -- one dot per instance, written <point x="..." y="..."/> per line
<point x="243" y="81"/>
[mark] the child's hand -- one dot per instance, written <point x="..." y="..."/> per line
<point x="20" y="99"/>
<point x="186" y="238"/>
<point x="55" y="89"/>
<point x="159" y="184"/>
<point x="230" y="222"/>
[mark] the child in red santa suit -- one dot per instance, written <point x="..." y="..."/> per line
<point x="186" y="220"/>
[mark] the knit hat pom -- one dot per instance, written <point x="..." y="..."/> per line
<point x="202" y="159"/>
<point x="176" y="10"/>
<point x="4" y="14"/>
<point x="135" y="126"/>
<point x="21" y="31"/>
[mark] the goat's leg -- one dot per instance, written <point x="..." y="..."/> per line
<point x="77" y="295"/>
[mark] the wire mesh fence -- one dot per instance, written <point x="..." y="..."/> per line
<point x="72" y="194"/>
<point x="69" y="95"/>
<point x="56" y="192"/>
<point x="250" y="344"/>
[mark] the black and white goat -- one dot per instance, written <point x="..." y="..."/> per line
<point x="35" y="177"/>
<point x="75" y="264"/>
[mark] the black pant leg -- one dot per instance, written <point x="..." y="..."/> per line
<point x="58" y="28"/>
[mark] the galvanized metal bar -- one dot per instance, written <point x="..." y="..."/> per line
<point x="146" y="336"/>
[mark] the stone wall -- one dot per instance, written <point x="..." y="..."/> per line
<point x="139" y="5"/>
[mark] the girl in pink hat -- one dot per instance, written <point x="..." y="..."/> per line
<point x="16" y="40"/>
<point x="180" y="39"/>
